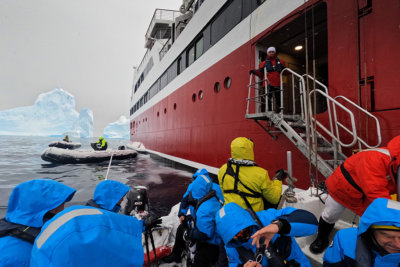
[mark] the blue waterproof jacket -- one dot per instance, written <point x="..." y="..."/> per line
<point x="185" y="205"/>
<point x="28" y="204"/>
<point x="207" y="206"/>
<point x="350" y="249"/>
<point x="86" y="236"/>
<point x="232" y="218"/>
<point x="107" y="195"/>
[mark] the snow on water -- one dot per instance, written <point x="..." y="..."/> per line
<point x="53" y="114"/>
<point x="118" y="129"/>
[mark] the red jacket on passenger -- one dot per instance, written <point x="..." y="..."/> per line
<point x="274" y="77"/>
<point x="373" y="171"/>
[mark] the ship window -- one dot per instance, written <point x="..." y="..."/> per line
<point x="216" y="87"/>
<point x="194" y="97"/>
<point x="158" y="113"/>
<point x="179" y="66"/>
<point x="199" y="47"/>
<point x="200" y="94"/>
<point x="226" y="20"/>
<point x="165" y="111"/>
<point x="227" y="82"/>
<point x="190" y="56"/>
<point x="174" y="106"/>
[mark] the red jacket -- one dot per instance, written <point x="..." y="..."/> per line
<point x="273" y="77"/>
<point x="371" y="171"/>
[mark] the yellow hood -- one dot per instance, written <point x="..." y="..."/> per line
<point x="242" y="148"/>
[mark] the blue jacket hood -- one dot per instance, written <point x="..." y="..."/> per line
<point x="230" y="220"/>
<point x="86" y="236"/>
<point x="200" y="172"/>
<point x="31" y="200"/>
<point x="381" y="211"/>
<point x="108" y="193"/>
<point x="201" y="186"/>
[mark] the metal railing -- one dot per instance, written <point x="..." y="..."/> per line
<point x="162" y="14"/>
<point x="378" y="127"/>
<point x="336" y="127"/>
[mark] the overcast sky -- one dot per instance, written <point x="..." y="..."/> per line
<point x="86" y="47"/>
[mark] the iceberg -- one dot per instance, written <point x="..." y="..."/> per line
<point x="118" y="129"/>
<point x="83" y="127"/>
<point x="53" y="114"/>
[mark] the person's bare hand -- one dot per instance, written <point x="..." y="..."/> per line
<point x="268" y="232"/>
<point x="181" y="219"/>
<point x="252" y="264"/>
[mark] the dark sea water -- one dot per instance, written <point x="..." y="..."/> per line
<point x="20" y="161"/>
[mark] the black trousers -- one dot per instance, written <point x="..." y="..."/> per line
<point x="274" y="91"/>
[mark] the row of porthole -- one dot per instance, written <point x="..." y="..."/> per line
<point x="165" y="110"/>
<point x="227" y="85"/>
<point x="217" y="88"/>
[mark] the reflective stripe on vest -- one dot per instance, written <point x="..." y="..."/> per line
<point x="381" y="150"/>
<point x="56" y="224"/>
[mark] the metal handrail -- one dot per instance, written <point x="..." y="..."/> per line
<point x="302" y="92"/>
<point x="378" y="127"/>
<point x="253" y="85"/>
<point x="331" y="133"/>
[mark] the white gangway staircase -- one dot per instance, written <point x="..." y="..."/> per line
<point x="320" y="138"/>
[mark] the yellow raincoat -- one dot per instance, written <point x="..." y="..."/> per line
<point x="253" y="177"/>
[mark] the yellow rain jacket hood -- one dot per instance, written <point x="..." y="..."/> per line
<point x="250" y="177"/>
<point x="242" y="148"/>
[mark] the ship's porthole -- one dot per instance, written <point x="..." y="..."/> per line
<point x="165" y="111"/>
<point x="216" y="87"/>
<point x="200" y="94"/>
<point x="227" y="82"/>
<point x="194" y="97"/>
<point x="174" y="106"/>
<point x="158" y="113"/>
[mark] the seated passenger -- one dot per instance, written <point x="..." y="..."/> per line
<point x="184" y="207"/>
<point x="31" y="204"/>
<point x="100" y="145"/>
<point x="236" y="225"/>
<point x="86" y="236"/>
<point x="375" y="242"/>
<point x="246" y="184"/>
<point x="66" y="138"/>
<point x="108" y="195"/>
<point x="203" y="232"/>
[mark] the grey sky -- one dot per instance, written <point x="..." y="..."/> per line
<point x="86" y="47"/>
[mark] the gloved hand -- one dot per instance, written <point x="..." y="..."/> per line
<point x="251" y="71"/>
<point x="152" y="222"/>
<point x="280" y="175"/>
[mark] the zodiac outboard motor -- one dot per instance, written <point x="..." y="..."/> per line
<point x="137" y="202"/>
